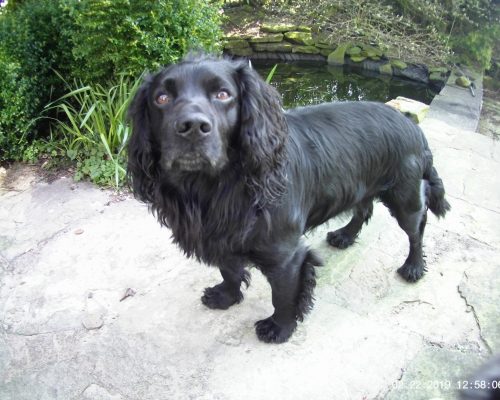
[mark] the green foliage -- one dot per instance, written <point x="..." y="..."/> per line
<point x="471" y="26"/>
<point x="476" y="47"/>
<point x="90" y="41"/>
<point x="130" y="36"/>
<point x="33" y="37"/>
<point x="15" y="112"/>
<point x="41" y="149"/>
<point x="34" y="33"/>
<point x="101" y="170"/>
<point x="271" y="73"/>
<point x="94" y="128"/>
<point x="468" y="15"/>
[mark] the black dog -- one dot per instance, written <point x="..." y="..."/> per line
<point x="238" y="180"/>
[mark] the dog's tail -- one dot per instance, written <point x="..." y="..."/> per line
<point x="305" y="299"/>
<point x="435" y="193"/>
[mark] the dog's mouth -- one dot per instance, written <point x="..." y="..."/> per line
<point x="190" y="162"/>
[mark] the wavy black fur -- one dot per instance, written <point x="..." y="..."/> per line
<point x="305" y="298"/>
<point x="238" y="180"/>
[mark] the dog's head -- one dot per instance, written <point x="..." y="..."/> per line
<point x="202" y="116"/>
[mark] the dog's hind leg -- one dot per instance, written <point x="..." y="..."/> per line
<point x="408" y="204"/>
<point x="228" y="292"/>
<point x="344" y="237"/>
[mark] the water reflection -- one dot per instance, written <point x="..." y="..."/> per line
<point x="310" y="83"/>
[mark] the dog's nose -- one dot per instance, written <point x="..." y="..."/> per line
<point x="193" y="126"/>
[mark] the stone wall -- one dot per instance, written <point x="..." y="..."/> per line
<point x="295" y="42"/>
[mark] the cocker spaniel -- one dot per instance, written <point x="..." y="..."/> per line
<point x="238" y="180"/>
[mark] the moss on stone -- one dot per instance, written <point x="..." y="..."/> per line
<point x="372" y="52"/>
<point x="241" y="52"/>
<point x="304" y="38"/>
<point x="236" y="44"/>
<point x="304" y="28"/>
<point x="336" y="57"/>
<point x="437" y="77"/>
<point x="353" y="51"/>
<point x="358" y="59"/>
<point x="282" y="28"/>
<point x="385" y="69"/>
<point x="399" y="64"/>
<point x="323" y="42"/>
<point x="462" y="81"/>
<point x="325" y="52"/>
<point x="275" y="28"/>
<point x="305" y="49"/>
<point x="440" y="70"/>
<point x="326" y="46"/>
<point x="271" y="38"/>
<point x="237" y="36"/>
<point x="281" y="47"/>
<point x="413" y="109"/>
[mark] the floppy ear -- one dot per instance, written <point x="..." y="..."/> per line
<point x="142" y="167"/>
<point x="262" y="137"/>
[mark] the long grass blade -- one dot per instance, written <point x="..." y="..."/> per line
<point x="270" y="75"/>
<point x="88" y="114"/>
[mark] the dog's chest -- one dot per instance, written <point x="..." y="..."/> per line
<point x="211" y="230"/>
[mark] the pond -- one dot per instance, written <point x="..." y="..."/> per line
<point x="305" y="83"/>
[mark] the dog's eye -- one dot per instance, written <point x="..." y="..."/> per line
<point x="222" y="95"/>
<point x="163" y="99"/>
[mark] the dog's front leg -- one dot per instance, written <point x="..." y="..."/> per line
<point x="292" y="283"/>
<point x="228" y="292"/>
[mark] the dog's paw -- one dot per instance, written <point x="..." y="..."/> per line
<point x="412" y="272"/>
<point x="218" y="298"/>
<point x="339" y="239"/>
<point x="270" y="332"/>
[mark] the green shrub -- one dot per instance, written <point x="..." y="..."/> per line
<point x="33" y="43"/>
<point x="15" y="111"/>
<point x="476" y="47"/>
<point x="475" y="31"/>
<point x="130" y="36"/>
<point x="94" y="41"/>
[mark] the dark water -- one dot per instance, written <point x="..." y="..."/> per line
<point x="312" y="83"/>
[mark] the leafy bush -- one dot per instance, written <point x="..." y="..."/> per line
<point x="15" y="112"/>
<point x="130" y="36"/>
<point x="32" y="44"/>
<point x="476" y="47"/>
<point x="93" y="41"/>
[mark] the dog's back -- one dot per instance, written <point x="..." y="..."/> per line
<point x="358" y="150"/>
<point x="367" y="133"/>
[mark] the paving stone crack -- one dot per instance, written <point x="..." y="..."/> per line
<point x="476" y="318"/>
<point x="43" y="242"/>
<point x="382" y="394"/>
<point x="38" y="246"/>
<point x="26" y="334"/>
